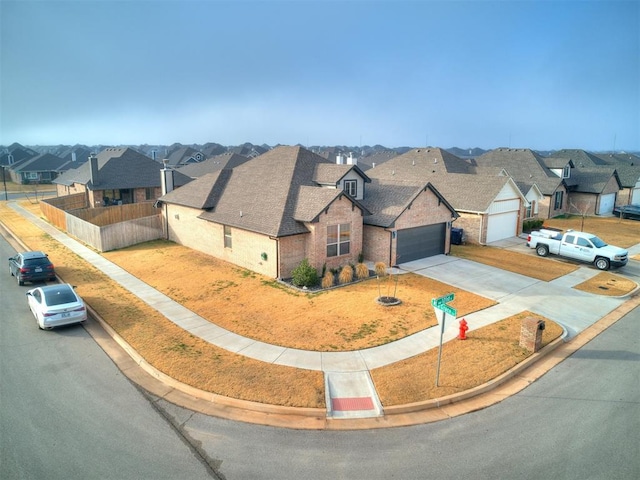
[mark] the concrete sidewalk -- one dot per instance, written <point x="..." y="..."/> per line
<point x="350" y="391"/>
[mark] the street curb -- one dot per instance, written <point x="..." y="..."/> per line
<point x="143" y="374"/>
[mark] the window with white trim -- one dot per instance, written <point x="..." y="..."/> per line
<point x="351" y="187"/>
<point x="227" y="237"/>
<point x="566" y="171"/>
<point x="338" y="239"/>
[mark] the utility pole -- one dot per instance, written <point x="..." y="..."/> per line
<point x="4" y="183"/>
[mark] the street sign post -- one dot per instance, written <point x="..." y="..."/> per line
<point x="441" y="311"/>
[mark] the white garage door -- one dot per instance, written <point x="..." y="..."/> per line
<point x="501" y="226"/>
<point x="635" y="196"/>
<point x="606" y="203"/>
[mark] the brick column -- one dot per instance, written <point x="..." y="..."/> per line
<point x="531" y="334"/>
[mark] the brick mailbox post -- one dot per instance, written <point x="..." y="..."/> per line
<point x="531" y="334"/>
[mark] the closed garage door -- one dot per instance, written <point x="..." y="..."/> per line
<point x="501" y="226"/>
<point x="606" y="203"/>
<point x="635" y="196"/>
<point x="420" y="242"/>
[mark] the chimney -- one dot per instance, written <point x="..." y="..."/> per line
<point x="339" y="159"/>
<point x="93" y="169"/>
<point x="166" y="178"/>
<point x="352" y="160"/>
<point x="73" y="156"/>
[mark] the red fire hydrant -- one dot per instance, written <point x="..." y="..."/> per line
<point x="463" y="329"/>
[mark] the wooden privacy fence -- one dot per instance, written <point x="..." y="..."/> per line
<point x="54" y="209"/>
<point x="107" y="228"/>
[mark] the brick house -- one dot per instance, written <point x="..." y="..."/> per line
<point x="116" y="176"/>
<point x="288" y="204"/>
<point x="489" y="207"/>
<point x="530" y="171"/>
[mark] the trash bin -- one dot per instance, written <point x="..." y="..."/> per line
<point x="456" y="236"/>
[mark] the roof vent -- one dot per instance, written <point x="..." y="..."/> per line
<point x="435" y="160"/>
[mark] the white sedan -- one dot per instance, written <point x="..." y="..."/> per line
<point x="56" y="305"/>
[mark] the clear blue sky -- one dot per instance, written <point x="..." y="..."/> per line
<point x="526" y="74"/>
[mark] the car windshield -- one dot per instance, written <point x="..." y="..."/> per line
<point x="59" y="296"/>
<point x="32" y="262"/>
<point x="597" y="242"/>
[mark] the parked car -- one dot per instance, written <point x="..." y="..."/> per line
<point x="56" y="305"/>
<point x="31" y="267"/>
<point x="627" y="211"/>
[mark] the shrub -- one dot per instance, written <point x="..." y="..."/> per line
<point x="346" y="274"/>
<point x="304" y="275"/>
<point x="532" y="224"/>
<point x="380" y="269"/>
<point x="327" y="280"/>
<point x="362" y="271"/>
<point x="361" y="257"/>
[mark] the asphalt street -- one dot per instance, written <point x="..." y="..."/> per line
<point x="579" y="421"/>
<point x="67" y="412"/>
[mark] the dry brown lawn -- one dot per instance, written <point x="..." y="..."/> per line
<point x="620" y="232"/>
<point x="341" y="319"/>
<point x="345" y="318"/>
<point x="522" y="263"/>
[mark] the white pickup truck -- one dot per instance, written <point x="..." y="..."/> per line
<point x="579" y="246"/>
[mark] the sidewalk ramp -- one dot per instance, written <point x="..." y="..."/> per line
<point x="351" y="395"/>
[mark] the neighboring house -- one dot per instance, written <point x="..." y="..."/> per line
<point x="490" y="207"/>
<point x="183" y="156"/>
<point x="77" y="155"/>
<point x="248" y="150"/>
<point x="42" y="168"/>
<point x="116" y="176"/>
<point x="597" y="183"/>
<point x="597" y="191"/>
<point x="226" y="160"/>
<point x="534" y="176"/>
<point x="270" y="213"/>
<point x="15" y="153"/>
<point x="628" y="168"/>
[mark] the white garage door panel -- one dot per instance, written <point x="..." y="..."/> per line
<point x="635" y="196"/>
<point x="606" y="203"/>
<point x="501" y="226"/>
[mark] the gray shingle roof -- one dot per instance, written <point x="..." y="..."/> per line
<point x="213" y="164"/>
<point x="272" y="194"/>
<point x="594" y="179"/>
<point x="420" y="162"/>
<point x="120" y="168"/>
<point x="525" y="166"/>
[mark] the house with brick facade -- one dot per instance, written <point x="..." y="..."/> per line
<point x="271" y="212"/>
<point x="490" y="207"/>
<point x="116" y="176"/>
<point x="530" y="171"/>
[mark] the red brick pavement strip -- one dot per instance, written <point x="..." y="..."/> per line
<point x="351" y="404"/>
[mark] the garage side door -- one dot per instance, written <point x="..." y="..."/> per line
<point x="606" y="203"/>
<point x="501" y="226"/>
<point x="420" y="242"/>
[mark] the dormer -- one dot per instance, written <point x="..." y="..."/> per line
<point x="348" y="178"/>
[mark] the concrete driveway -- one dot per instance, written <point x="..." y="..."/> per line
<point x="555" y="300"/>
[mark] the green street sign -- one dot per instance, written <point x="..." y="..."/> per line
<point x="447" y="309"/>
<point x="442" y="300"/>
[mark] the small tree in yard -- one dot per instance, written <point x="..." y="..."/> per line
<point x="304" y="275"/>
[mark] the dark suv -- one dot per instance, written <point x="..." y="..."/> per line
<point x="31" y="267"/>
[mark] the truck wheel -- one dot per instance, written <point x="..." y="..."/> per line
<point x="602" y="263"/>
<point x="542" y="250"/>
